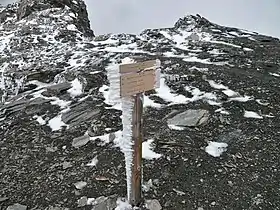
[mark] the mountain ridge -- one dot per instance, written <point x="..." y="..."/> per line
<point x="56" y="117"/>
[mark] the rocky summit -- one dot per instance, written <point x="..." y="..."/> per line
<point x="211" y="130"/>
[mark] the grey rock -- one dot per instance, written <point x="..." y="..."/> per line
<point x="17" y="206"/>
<point x="190" y="118"/>
<point x="82" y="201"/>
<point x="58" y="88"/>
<point x="80" y="141"/>
<point x="80" y="185"/>
<point x="57" y="208"/>
<point x="3" y="199"/>
<point x="51" y="149"/>
<point x="193" y="37"/>
<point x="105" y="203"/>
<point x="230" y="137"/>
<point x="153" y="204"/>
<point x="112" y="137"/>
<point x="81" y="112"/>
<point x="66" y="165"/>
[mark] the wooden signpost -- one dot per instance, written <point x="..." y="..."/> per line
<point x="135" y="79"/>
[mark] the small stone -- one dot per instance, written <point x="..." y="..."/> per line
<point x="153" y="204"/>
<point x="77" y="192"/>
<point x="51" y="149"/>
<point x="213" y="203"/>
<point x="80" y="141"/>
<point x="230" y="183"/>
<point x="17" y="206"/>
<point x="66" y="165"/>
<point x="80" y="185"/>
<point x="112" y="137"/>
<point x="82" y="201"/>
<point x="102" y="203"/>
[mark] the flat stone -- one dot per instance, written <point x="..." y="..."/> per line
<point x="80" y="185"/>
<point x="80" y="113"/>
<point x="82" y="201"/>
<point x="3" y="199"/>
<point x="17" y="206"/>
<point x="57" y="208"/>
<point x="153" y="204"/>
<point x="80" y="141"/>
<point x="66" y="165"/>
<point x="102" y="203"/>
<point x="190" y="118"/>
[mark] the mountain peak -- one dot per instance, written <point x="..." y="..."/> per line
<point x="191" y="21"/>
<point x="29" y="9"/>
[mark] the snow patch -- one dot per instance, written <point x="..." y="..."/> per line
<point x="222" y="111"/>
<point x="77" y="88"/>
<point x="215" y="85"/>
<point x="39" y="119"/>
<point x="150" y="103"/>
<point x="123" y="205"/>
<point x="125" y="142"/>
<point x="175" y="127"/>
<point x="274" y="74"/>
<point x="164" y="92"/>
<point x="148" y="153"/>
<point x="93" y="162"/>
<point x="216" y="149"/>
<point x="251" y="114"/>
<point x="71" y="27"/>
<point x="56" y="123"/>
<point x="230" y="93"/>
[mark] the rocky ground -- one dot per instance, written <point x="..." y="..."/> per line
<point x="212" y="126"/>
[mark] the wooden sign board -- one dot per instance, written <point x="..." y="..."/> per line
<point x="137" y="82"/>
<point x="135" y="67"/>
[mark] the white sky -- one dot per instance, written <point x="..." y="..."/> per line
<point x="133" y="16"/>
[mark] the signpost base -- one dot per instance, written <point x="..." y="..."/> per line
<point x="136" y="192"/>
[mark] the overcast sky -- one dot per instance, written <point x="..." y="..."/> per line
<point x="132" y="16"/>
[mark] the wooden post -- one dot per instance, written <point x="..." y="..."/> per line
<point x="137" y="135"/>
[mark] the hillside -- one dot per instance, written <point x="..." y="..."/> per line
<point x="211" y="129"/>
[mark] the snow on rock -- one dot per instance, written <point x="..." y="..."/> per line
<point x="222" y="111"/>
<point x="274" y="74"/>
<point x="216" y="149"/>
<point x="198" y="94"/>
<point x="40" y="120"/>
<point x="251" y="114"/>
<point x="216" y="85"/>
<point x="125" y="143"/>
<point x="123" y="205"/>
<point x="230" y="93"/>
<point x="175" y="127"/>
<point x="93" y="162"/>
<point x="56" y="123"/>
<point x="150" y="103"/>
<point x="71" y="27"/>
<point x="148" y="153"/>
<point x="77" y="88"/>
<point x="164" y="92"/>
